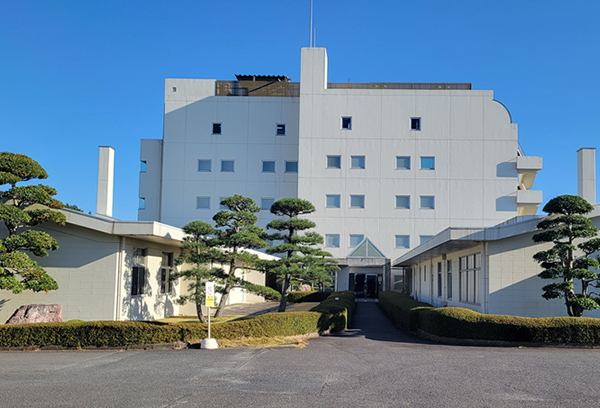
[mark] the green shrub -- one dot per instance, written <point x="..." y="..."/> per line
<point x="314" y="296"/>
<point x="459" y="323"/>
<point x="335" y="314"/>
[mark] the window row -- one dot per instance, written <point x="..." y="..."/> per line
<point x="139" y="272"/>
<point x="346" y="122"/>
<point x="400" y="241"/>
<point x="280" y="129"/>
<point x="228" y="166"/>
<point x="427" y="202"/>
<point x="359" y="162"/>
<point x="204" y="203"/>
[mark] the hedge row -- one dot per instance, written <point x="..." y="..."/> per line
<point x="119" y="334"/>
<point x="313" y="296"/>
<point x="336" y="311"/>
<point x="459" y="323"/>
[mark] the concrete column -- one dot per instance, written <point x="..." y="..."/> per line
<point x="106" y="174"/>
<point x="313" y="71"/>
<point x="586" y="174"/>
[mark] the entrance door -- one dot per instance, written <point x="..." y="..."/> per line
<point x="372" y="286"/>
<point x="359" y="285"/>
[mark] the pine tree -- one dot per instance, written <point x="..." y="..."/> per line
<point x="21" y="208"/>
<point x="565" y="224"/>
<point x="303" y="260"/>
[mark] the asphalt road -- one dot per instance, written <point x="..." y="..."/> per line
<point x="373" y="365"/>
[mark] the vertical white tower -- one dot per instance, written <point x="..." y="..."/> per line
<point x="106" y="173"/>
<point x="586" y="174"/>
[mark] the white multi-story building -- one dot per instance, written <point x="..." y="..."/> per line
<point x="387" y="165"/>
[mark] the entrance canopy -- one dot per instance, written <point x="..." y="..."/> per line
<point x="366" y="249"/>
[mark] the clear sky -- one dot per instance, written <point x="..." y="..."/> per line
<point x="75" y="75"/>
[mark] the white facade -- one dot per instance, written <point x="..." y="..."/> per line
<point x="396" y="163"/>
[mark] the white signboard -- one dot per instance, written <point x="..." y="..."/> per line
<point x="210" y="294"/>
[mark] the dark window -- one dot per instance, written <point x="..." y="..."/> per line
<point x="291" y="167"/>
<point x="138" y="272"/>
<point x="280" y="129"/>
<point x="415" y="123"/>
<point x="449" y="283"/>
<point x="165" y="272"/>
<point x="216" y="128"/>
<point x="347" y="122"/>
<point x="439" y="279"/>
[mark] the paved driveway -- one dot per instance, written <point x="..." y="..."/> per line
<point x="373" y="365"/>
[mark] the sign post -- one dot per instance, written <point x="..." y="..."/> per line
<point x="209" y="302"/>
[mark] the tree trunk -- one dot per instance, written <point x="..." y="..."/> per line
<point x="285" y="291"/>
<point x="223" y="301"/>
<point x="199" y="302"/>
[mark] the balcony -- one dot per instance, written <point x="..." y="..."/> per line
<point x="527" y="168"/>
<point x="528" y="201"/>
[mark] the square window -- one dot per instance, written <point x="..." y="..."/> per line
<point x="221" y="206"/>
<point x="142" y="203"/>
<point x="424" y="238"/>
<point x="427" y="163"/>
<point x="357" y="162"/>
<point x="216" y="129"/>
<point x="334" y="162"/>
<point x="403" y="202"/>
<point x="415" y="123"/>
<point x="227" y="166"/>
<point x="428" y="202"/>
<point x="347" y="122"/>
<point x="402" y="241"/>
<point x="143" y="166"/>
<point x="403" y="162"/>
<point x="174" y="89"/>
<point x="268" y="166"/>
<point x="356" y="239"/>
<point x="291" y="167"/>
<point x="333" y="201"/>
<point x="357" y="201"/>
<point x="332" y="240"/>
<point x="280" y="129"/>
<point x="266" y="203"/>
<point x="205" y="165"/>
<point x="203" y="203"/>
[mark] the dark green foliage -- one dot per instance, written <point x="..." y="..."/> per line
<point x="562" y="227"/>
<point x="20" y="209"/>
<point x="264" y="291"/>
<point x="303" y="261"/>
<point x="459" y="323"/>
<point x="314" y="296"/>
<point x="336" y="311"/>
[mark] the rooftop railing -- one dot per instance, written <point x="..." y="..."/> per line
<point x="397" y="85"/>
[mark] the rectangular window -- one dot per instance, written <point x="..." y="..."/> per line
<point x="424" y="238"/>
<point x="204" y="165"/>
<point x="266" y="203"/>
<point x="143" y="166"/>
<point x="291" y="167"/>
<point x="203" y="203"/>
<point x="449" y="278"/>
<point x="439" y="279"/>
<point x="357" y="201"/>
<point x="334" y="162"/>
<point x="227" y="166"/>
<point x="403" y="202"/>
<point x="415" y="123"/>
<point x="221" y="206"/>
<point x="347" y="122"/>
<point x="355" y="239"/>
<point x="357" y="162"/>
<point x="268" y="166"/>
<point x="427" y="163"/>
<point x="166" y="271"/>
<point x="402" y="241"/>
<point x="280" y="129"/>
<point x="469" y="275"/>
<point x="428" y="202"/>
<point x="333" y="201"/>
<point x="142" y="203"/>
<point x="332" y="240"/>
<point x="403" y="162"/>
<point x="138" y="271"/>
<point x="216" y="128"/>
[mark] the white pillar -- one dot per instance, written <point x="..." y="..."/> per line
<point x="106" y="173"/>
<point x="586" y="174"/>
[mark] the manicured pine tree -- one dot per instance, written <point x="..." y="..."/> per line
<point x="566" y="223"/>
<point x="21" y="208"/>
<point x="299" y="246"/>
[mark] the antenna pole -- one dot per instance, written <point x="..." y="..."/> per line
<point x="311" y="25"/>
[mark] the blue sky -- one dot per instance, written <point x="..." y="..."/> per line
<point x="79" y="74"/>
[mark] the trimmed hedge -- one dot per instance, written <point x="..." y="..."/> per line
<point x="460" y="323"/>
<point x="313" y="296"/>
<point x="335" y="314"/>
<point x="119" y="334"/>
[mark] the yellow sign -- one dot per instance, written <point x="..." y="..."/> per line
<point x="210" y="301"/>
<point x="210" y="294"/>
